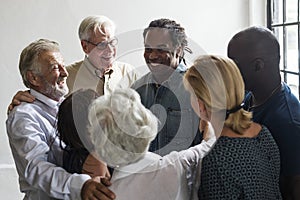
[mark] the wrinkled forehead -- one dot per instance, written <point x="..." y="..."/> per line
<point x="50" y="56"/>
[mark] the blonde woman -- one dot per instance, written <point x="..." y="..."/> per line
<point x="244" y="163"/>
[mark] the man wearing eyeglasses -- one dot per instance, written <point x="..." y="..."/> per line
<point x="99" y="70"/>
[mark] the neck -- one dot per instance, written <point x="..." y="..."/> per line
<point x="103" y="69"/>
<point x="217" y="121"/>
<point x="260" y="97"/>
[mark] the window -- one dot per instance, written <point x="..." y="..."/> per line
<point x="283" y="20"/>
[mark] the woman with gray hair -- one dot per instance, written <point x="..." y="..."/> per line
<point x="121" y="129"/>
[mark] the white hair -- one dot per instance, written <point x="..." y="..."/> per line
<point x="90" y="24"/>
<point x="120" y="127"/>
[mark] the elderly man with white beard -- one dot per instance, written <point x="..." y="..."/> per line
<point x="31" y="130"/>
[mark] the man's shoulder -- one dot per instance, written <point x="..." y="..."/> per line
<point x="24" y="110"/>
<point x="74" y="67"/>
<point x="142" y="81"/>
<point x="122" y="66"/>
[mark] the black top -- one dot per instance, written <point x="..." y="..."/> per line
<point x="73" y="159"/>
<point x="241" y="168"/>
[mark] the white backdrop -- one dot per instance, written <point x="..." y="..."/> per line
<point x="210" y="24"/>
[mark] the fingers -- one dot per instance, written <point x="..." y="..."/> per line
<point x="107" y="174"/>
<point x="23" y="96"/>
<point x="203" y="125"/>
<point x="208" y="131"/>
<point x="93" y="189"/>
<point x="10" y="107"/>
<point x="20" y="96"/>
<point x="106" y="181"/>
<point x="103" y="191"/>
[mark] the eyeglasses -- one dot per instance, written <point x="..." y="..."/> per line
<point x="102" y="45"/>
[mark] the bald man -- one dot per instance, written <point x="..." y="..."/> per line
<point x="256" y="51"/>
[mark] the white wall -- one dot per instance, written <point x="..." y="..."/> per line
<point x="209" y="24"/>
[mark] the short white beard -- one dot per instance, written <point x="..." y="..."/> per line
<point x="54" y="91"/>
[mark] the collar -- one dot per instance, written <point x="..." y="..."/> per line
<point x="174" y="79"/>
<point x="100" y="74"/>
<point x="46" y="100"/>
<point x="181" y="68"/>
<point x="94" y="70"/>
<point x="140" y="166"/>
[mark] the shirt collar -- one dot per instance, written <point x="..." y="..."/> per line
<point x="97" y="72"/>
<point x="46" y="100"/>
<point x="173" y="79"/>
<point x="181" y="68"/>
<point x="141" y="166"/>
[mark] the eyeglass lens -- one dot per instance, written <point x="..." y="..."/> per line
<point x="103" y="45"/>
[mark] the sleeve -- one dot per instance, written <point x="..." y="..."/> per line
<point x="130" y="74"/>
<point x="73" y="159"/>
<point x="188" y="164"/>
<point x="196" y="153"/>
<point x="29" y="141"/>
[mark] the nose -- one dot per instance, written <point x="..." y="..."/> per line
<point x="63" y="71"/>
<point x="153" y="54"/>
<point x="110" y="47"/>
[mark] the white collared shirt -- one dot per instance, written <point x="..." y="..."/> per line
<point x="156" y="177"/>
<point x="36" y="151"/>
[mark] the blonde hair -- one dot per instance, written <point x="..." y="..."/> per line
<point x="211" y="74"/>
<point x="120" y="127"/>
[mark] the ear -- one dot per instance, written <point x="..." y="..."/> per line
<point x="201" y="105"/>
<point x="33" y="79"/>
<point x="84" y="46"/>
<point x="202" y="109"/>
<point x="259" y="64"/>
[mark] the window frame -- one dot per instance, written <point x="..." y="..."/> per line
<point x="284" y="25"/>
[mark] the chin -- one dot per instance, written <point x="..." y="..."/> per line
<point x="61" y="91"/>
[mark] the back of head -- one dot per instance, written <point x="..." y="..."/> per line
<point x="90" y="24"/>
<point x="72" y="119"/>
<point x="177" y="32"/>
<point x="29" y="58"/>
<point x="254" y="43"/>
<point x="211" y="78"/>
<point x="120" y="127"/>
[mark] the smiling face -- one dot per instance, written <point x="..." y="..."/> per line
<point x="51" y="79"/>
<point x="161" y="56"/>
<point x="100" y="58"/>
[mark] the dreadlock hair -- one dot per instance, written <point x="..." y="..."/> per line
<point x="177" y="32"/>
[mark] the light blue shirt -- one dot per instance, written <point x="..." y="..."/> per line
<point x="36" y="151"/>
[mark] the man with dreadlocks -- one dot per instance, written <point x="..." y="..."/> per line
<point x="162" y="90"/>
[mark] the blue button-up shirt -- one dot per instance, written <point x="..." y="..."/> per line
<point x="170" y="102"/>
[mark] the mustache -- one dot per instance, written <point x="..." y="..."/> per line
<point x="61" y="78"/>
